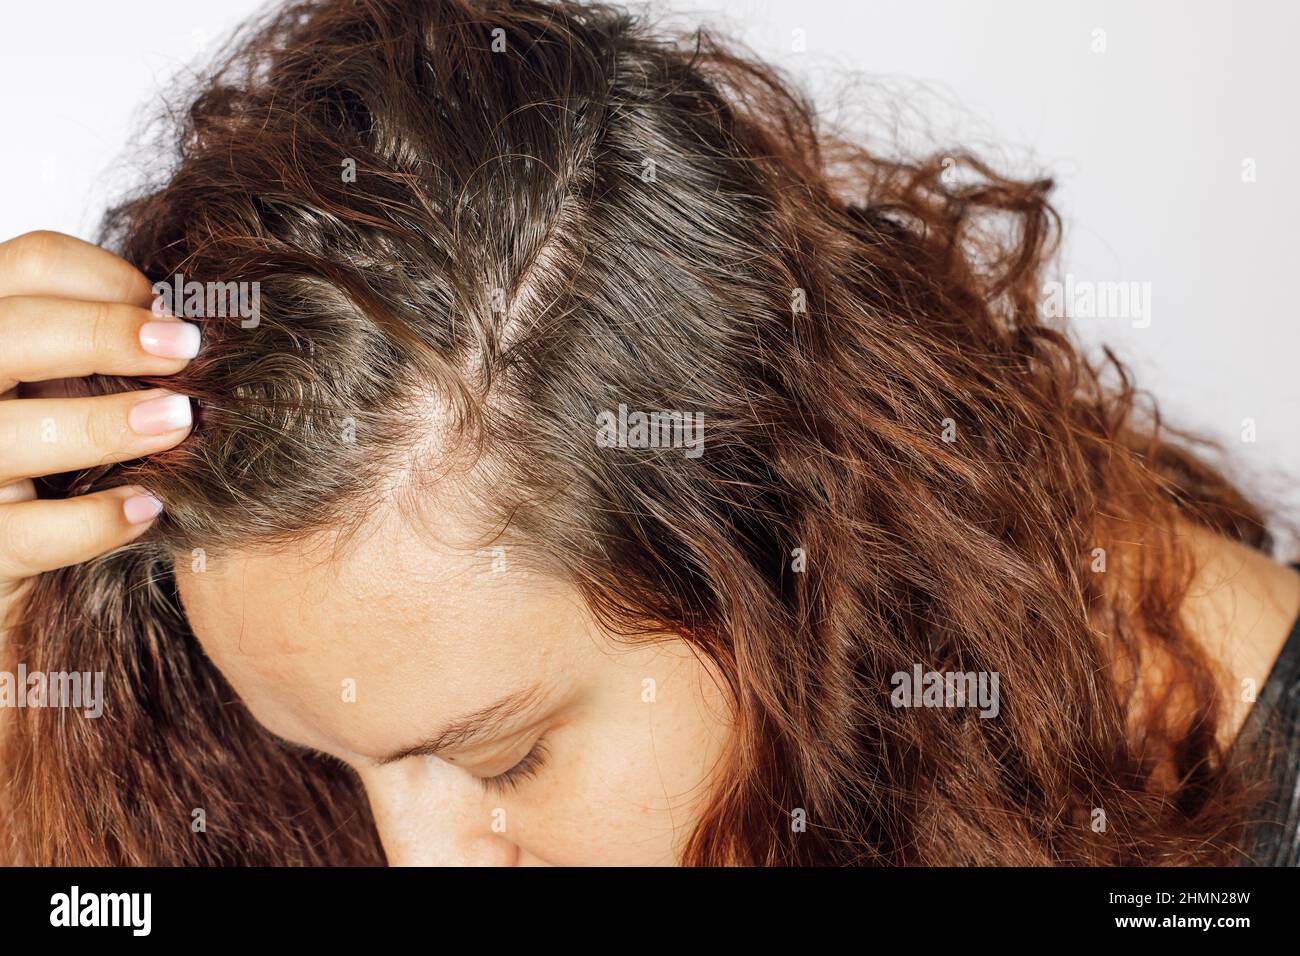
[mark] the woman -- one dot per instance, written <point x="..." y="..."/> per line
<point x="587" y="461"/>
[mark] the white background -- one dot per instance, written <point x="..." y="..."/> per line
<point x="1146" y="141"/>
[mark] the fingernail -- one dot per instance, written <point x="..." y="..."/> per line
<point x="160" y="415"/>
<point x="141" y="508"/>
<point x="174" y="339"/>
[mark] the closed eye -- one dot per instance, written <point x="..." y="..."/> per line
<point x="508" y="780"/>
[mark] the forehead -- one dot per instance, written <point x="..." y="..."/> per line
<point x="334" y="643"/>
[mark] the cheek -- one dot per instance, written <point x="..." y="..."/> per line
<point x="627" y="788"/>
<point x="604" y="804"/>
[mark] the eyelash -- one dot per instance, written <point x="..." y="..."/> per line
<point x="508" y="780"/>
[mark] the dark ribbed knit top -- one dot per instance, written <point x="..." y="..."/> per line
<point x="1274" y="720"/>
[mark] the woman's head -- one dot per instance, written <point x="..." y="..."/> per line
<point x="486" y="237"/>
<point x="489" y="718"/>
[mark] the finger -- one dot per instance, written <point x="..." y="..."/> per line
<point x="44" y="338"/>
<point x="52" y="264"/>
<point x="23" y="490"/>
<point x="46" y="534"/>
<point x="48" y="436"/>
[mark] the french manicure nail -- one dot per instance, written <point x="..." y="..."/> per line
<point x="141" y="508"/>
<point x="171" y="339"/>
<point x="160" y="415"/>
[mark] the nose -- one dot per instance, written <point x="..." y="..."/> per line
<point x="432" y="813"/>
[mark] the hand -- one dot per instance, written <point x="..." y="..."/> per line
<point x="70" y="309"/>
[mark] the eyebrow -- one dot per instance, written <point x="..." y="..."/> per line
<point x="472" y="728"/>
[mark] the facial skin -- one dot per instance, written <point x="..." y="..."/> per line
<point x="430" y="633"/>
